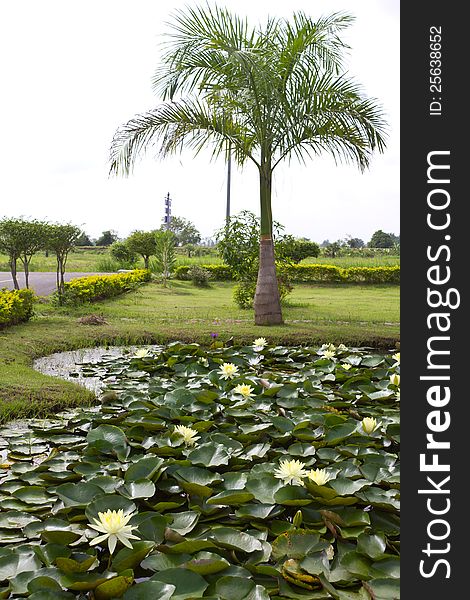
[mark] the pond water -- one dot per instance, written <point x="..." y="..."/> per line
<point x="69" y="366"/>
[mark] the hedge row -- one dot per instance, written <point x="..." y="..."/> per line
<point x="15" y="306"/>
<point x="312" y="273"/>
<point x="334" y="274"/>
<point x="99" y="287"/>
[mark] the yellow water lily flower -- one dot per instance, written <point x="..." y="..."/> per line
<point x="259" y="344"/>
<point x="291" y="471"/>
<point x="189" y="435"/>
<point x="395" y="379"/>
<point x="396" y="358"/>
<point x="329" y="353"/>
<point x="369" y="424"/>
<point x="346" y="366"/>
<point x="244" y="389"/>
<point x="114" y="525"/>
<point x="319" y="476"/>
<point x="228" y="371"/>
<point x="142" y="353"/>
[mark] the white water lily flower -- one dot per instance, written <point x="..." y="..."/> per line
<point x="291" y="471"/>
<point x="395" y="379"/>
<point x="329" y="353"/>
<point x="346" y="366"/>
<point x="113" y="524"/>
<point x="396" y="358"/>
<point x="369" y="424"/>
<point x="189" y="435"/>
<point x="327" y="347"/>
<point x="142" y="353"/>
<point x="342" y="348"/>
<point x="259" y="344"/>
<point x="319" y="476"/>
<point x="228" y="371"/>
<point x="244" y="389"/>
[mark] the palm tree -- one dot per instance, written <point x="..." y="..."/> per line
<point x="262" y="94"/>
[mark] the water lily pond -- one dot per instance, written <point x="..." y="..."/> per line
<point x="233" y="473"/>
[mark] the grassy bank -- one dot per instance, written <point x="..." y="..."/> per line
<point x="354" y="315"/>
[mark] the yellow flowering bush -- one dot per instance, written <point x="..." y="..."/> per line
<point x="99" y="287"/>
<point x="15" y="306"/>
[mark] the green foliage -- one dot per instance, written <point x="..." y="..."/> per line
<point x="213" y="518"/>
<point x="15" y="306"/>
<point x="244" y="292"/>
<point x="143" y="243"/>
<point x="21" y="239"/>
<point x="106" y="238"/>
<point x="99" y="287"/>
<point x="84" y="240"/>
<point x="184" y="231"/>
<point x="199" y="276"/>
<point x="217" y="272"/>
<point x="122" y="253"/>
<point x="61" y="239"/>
<point x="380" y="239"/>
<point x="333" y="274"/>
<point x="290" y="249"/>
<point x="165" y="254"/>
<point x="238" y="245"/>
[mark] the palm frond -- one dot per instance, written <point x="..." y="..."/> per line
<point x="174" y="124"/>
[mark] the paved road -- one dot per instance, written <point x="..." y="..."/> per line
<point x="42" y="283"/>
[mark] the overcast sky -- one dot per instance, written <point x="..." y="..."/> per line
<point x="73" y="71"/>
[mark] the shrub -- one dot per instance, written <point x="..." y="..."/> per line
<point x="15" y="306"/>
<point x="218" y="272"/>
<point x="122" y="253"/>
<point x="244" y="292"/>
<point x="99" y="287"/>
<point x="199" y="276"/>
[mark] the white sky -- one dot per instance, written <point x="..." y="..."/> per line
<point x="72" y="71"/>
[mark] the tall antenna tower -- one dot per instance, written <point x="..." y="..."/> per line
<point x="167" y="211"/>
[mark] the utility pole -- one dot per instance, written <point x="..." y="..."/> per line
<point x="229" y="181"/>
<point x="167" y="211"/>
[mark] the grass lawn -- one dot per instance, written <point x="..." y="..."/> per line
<point x="354" y="315"/>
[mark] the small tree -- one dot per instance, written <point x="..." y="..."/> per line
<point x="165" y="254"/>
<point x="20" y="239"/>
<point x="184" y="231"/>
<point x="380" y="239"/>
<point x="10" y="245"/>
<point x="294" y="250"/>
<point x="61" y="240"/>
<point x="355" y="242"/>
<point x="33" y="238"/>
<point x="84" y="240"/>
<point x="121" y="252"/>
<point x="107" y="238"/>
<point x="143" y="243"/>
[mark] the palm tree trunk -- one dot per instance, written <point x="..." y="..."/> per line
<point x="267" y="301"/>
